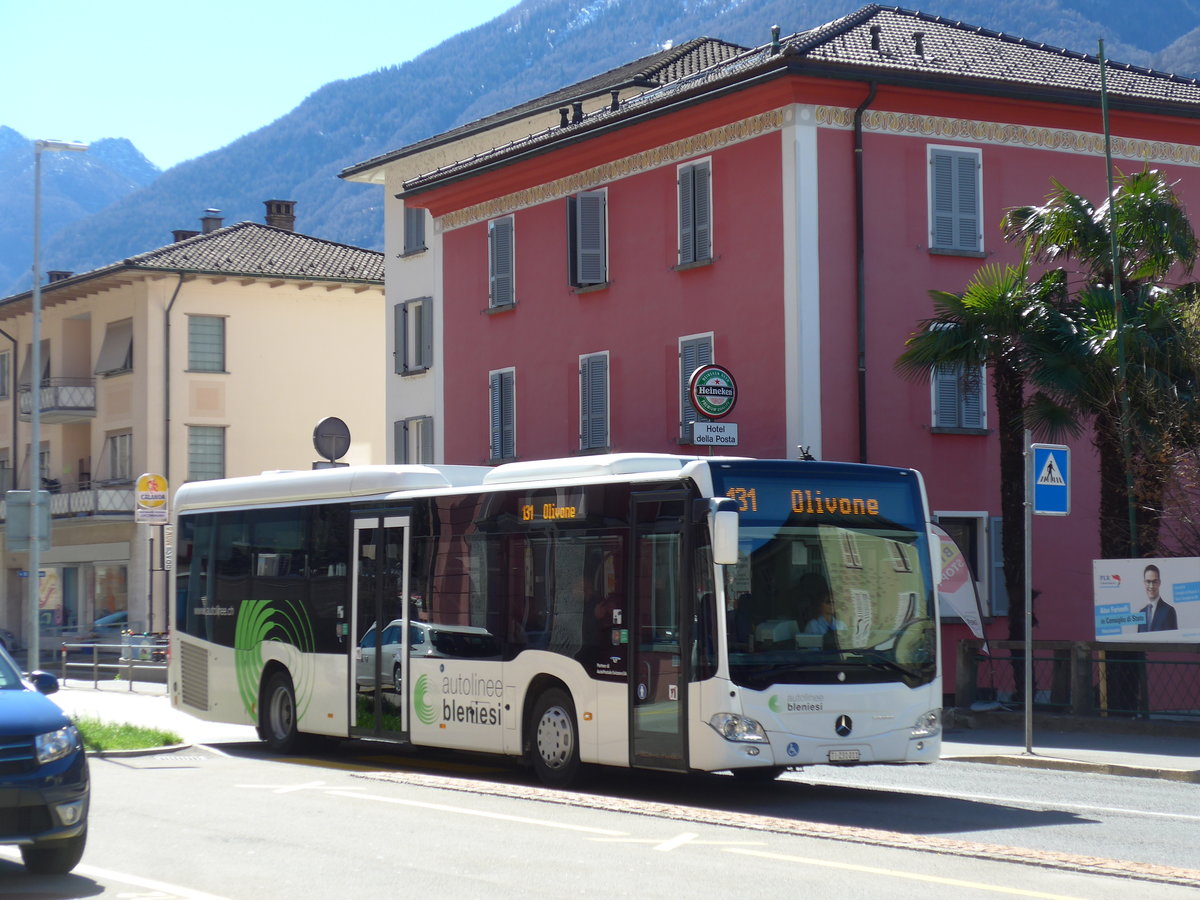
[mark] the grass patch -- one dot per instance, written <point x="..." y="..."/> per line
<point x="99" y="735"/>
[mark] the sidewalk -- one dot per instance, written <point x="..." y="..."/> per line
<point x="1099" y="746"/>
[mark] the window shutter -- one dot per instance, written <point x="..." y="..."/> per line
<point x="945" y="397"/>
<point x="414" y="229"/>
<point x="427" y="440"/>
<point x="500" y="261"/>
<point x="972" y="398"/>
<point x="593" y="402"/>
<point x="590" y="209"/>
<point x="400" y="335"/>
<point x="692" y="355"/>
<point x="997" y="585"/>
<point x="702" y="227"/>
<point x="426" y="332"/>
<point x="400" y="442"/>
<point x="955" y="200"/>
<point x="503" y="431"/>
<point x="687" y="215"/>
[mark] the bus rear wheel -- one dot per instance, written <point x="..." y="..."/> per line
<point x="278" y="712"/>
<point x="555" y="747"/>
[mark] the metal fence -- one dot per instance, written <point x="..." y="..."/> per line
<point x="132" y="658"/>
<point x="1085" y="678"/>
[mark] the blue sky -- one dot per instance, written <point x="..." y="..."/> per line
<point x="182" y="78"/>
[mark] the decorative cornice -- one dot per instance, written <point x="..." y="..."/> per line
<point x="1005" y="134"/>
<point x="676" y="151"/>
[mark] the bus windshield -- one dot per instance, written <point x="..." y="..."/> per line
<point x="833" y="580"/>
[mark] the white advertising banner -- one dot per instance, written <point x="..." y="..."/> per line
<point x="1140" y="600"/>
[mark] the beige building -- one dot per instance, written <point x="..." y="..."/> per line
<point x="213" y="356"/>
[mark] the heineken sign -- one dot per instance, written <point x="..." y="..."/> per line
<point x="713" y="391"/>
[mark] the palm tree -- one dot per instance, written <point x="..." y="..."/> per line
<point x="1075" y="358"/>
<point x="986" y="325"/>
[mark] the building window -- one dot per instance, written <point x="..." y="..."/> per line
<point x="694" y="352"/>
<point x="116" y="353"/>
<point x="955" y="200"/>
<point x="978" y="537"/>
<point x="206" y="343"/>
<point x="414" y="230"/>
<point x="5" y="374"/>
<point x="413" y="440"/>
<point x="593" y="401"/>
<point x="501" y="263"/>
<point x="119" y="450"/>
<point x="587" y="239"/>
<point x="26" y="378"/>
<point x="413" y="327"/>
<point x="502" y="403"/>
<point x="695" y="213"/>
<point x="7" y="481"/>
<point x="958" y="397"/>
<point x="206" y="452"/>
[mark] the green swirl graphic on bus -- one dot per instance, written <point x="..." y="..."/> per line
<point x="425" y="711"/>
<point x="259" y="622"/>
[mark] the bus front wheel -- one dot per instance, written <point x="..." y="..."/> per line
<point x="279" y="728"/>
<point x="555" y="749"/>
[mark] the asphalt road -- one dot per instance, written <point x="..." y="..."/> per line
<point x="231" y="822"/>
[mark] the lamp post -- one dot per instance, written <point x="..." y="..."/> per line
<point x="35" y="406"/>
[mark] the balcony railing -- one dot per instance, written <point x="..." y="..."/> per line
<point x="93" y="498"/>
<point x="63" y="400"/>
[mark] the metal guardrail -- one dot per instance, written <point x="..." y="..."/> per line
<point x="133" y="654"/>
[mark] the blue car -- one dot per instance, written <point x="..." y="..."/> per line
<point x="44" y="785"/>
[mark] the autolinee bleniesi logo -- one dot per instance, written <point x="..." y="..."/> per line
<point x="425" y="711"/>
<point x="796" y="703"/>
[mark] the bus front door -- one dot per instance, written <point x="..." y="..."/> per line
<point x="379" y="621"/>
<point x="657" y="677"/>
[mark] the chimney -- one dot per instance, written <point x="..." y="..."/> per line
<point x="875" y="29"/>
<point x="577" y="111"/>
<point x="57" y="275"/>
<point x="919" y="42"/>
<point x="281" y="214"/>
<point x="182" y="234"/>
<point x="211" y="220"/>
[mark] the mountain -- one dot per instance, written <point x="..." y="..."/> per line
<point x="534" y="48"/>
<point x="74" y="187"/>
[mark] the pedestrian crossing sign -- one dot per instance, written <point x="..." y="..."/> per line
<point x="1051" y="480"/>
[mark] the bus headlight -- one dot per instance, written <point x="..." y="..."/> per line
<point x="928" y="724"/>
<point x="737" y="728"/>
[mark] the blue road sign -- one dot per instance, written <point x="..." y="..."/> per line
<point x="1051" y="480"/>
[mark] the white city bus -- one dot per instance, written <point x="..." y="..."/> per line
<point x="655" y="611"/>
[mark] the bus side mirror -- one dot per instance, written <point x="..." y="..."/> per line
<point x="725" y="532"/>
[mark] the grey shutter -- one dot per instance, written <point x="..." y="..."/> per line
<point x="971" y="387"/>
<point x="955" y="199"/>
<point x="687" y="215"/>
<point x="500" y="262"/>
<point x="593" y="402"/>
<point x="427" y="440"/>
<point x="414" y="229"/>
<point x="702" y="225"/>
<point x="400" y="335"/>
<point x="426" y="332"/>
<point x="116" y="352"/>
<point x="692" y="355"/>
<point x="503" y="444"/>
<point x="945" y="397"/>
<point x="590" y="233"/>
<point x="997" y="584"/>
<point x="400" y="442"/>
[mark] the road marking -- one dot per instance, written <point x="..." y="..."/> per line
<point x="897" y="873"/>
<point x="293" y="788"/>
<point x="168" y="890"/>
<point x="686" y="838"/>
<point x="442" y="807"/>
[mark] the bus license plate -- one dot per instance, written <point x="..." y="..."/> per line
<point x="843" y="756"/>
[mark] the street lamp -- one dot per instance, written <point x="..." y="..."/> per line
<point x="35" y="396"/>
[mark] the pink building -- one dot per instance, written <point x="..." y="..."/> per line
<point x="782" y="211"/>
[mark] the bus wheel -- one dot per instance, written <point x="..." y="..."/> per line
<point x="279" y="714"/>
<point x="555" y="748"/>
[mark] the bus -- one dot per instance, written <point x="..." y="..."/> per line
<point x="656" y="611"/>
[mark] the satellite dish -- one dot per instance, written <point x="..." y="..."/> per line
<point x="331" y="438"/>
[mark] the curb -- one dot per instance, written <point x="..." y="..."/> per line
<point x="1075" y="765"/>
<point x="138" y="751"/>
